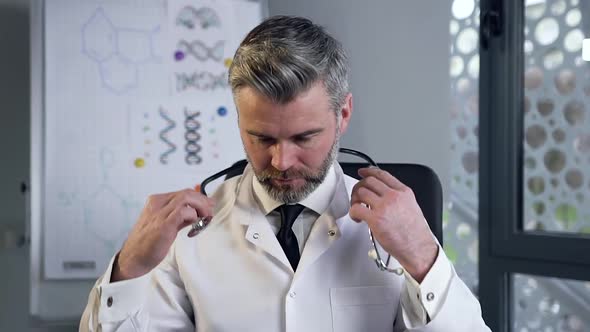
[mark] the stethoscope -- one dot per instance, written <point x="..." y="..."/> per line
<point x="200" y="224"/>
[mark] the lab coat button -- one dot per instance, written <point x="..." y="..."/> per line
<point x="110" y="301"/>
<point x="255" y="236"/>
<point x="292" y="294"/>
<point x="430" y="296"/>
<point x="331" y="232"/>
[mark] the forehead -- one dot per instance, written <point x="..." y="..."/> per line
<point x="311" y="107"/>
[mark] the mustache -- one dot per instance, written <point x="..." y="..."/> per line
<point x="273" y="173"/>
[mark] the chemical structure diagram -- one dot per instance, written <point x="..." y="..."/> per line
<point x="107" y="215"/>
<point x="199" y="50"/>
<point x="117" y="51"/>
<point x="205" y="17"/>
<point x="201" y="80"/>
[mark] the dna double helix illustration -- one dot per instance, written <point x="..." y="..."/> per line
<point x="204" y="81"/>
<point x="199" y="50"/>
<point x="205" y="17"/>
<point x="192" y="136"/>
<point x="164" y="136"/>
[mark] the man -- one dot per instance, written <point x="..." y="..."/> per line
<point x="249" y="270"/>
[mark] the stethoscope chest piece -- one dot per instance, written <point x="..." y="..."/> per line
<point x="198" y="226"/>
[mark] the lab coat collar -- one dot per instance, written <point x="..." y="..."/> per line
<point x="325" y="231"/>
<point x="338" y="206"/>
<point x="258" y="231"/>
<point x="328" y="228"/>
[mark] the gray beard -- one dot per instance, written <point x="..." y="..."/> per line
<point x="285" y="193"/>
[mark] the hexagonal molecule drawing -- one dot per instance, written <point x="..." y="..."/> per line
<point x="105" y="200"/>
<point x="117" y="51"/>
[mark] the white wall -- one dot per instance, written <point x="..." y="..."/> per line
<point x="399" y="54"/>
<point x="399" y="57"/>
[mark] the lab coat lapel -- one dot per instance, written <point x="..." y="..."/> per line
<point x="262" y="236"/>
<point x="328" y="228"/>
<point x="258" y="231"/>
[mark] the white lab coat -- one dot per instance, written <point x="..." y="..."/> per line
<point x="235" y="277"/>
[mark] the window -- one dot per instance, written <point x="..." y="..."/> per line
<point x="534" y="165"/>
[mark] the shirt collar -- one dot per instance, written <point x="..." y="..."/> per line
<point x="318" y="201"/>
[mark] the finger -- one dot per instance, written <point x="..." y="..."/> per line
<point x="188" y="216"/>
<point x="359" y="212"/>
<point x="385" y="177"/>
<point x="188" y="197"/>
<point x="166" y="198"/>
<point x="366" y="196"/>
<point x="168" y="206"/>
<point x="157" y="201"/>
<point x="202" y="208"/>
<point x="374" y="184"/>
<point x="191" y="195"/>
<point x="194" y="198"/>
<point x="182" y="216"/>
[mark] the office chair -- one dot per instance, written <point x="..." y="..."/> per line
<point x="424" y="183"/>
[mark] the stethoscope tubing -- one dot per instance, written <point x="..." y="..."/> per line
<point x="202" y="223"/>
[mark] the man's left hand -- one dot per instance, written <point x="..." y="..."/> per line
<point x="395" y="219"/>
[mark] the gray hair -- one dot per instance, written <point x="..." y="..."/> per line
<point x="285" y="55"/>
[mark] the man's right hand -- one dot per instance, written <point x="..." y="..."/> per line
<point x="151" y="237"/>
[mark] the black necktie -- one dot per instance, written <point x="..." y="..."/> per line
<point x="285" y="235"/>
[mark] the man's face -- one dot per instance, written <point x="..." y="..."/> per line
<point x="291" y="146"/>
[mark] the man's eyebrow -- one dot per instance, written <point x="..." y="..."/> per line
<point x="255" y="133"/>
<point x="305" y="133"/>
<point x="309" y="132"/>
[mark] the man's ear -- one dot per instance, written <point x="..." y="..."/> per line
<point x="345" y="113"/>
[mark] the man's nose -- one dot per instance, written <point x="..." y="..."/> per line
<point x="283" y="156"/>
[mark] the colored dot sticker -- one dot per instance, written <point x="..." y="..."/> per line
<point x="222" y="111"/>
<point x="227" y="62"/>
<point x="139" y="162"/>
<point x="198" y="187"/>
<point x="178" y="56"/>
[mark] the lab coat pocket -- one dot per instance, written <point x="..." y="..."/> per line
<point x="363" y="308"/>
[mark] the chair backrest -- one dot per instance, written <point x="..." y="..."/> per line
<point x="424" y="183"/>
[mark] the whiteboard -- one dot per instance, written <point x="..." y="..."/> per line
<point x="129" y="98"/>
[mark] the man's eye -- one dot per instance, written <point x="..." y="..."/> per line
<point x="302" y="139"/>
<point x="265" y="140"/>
